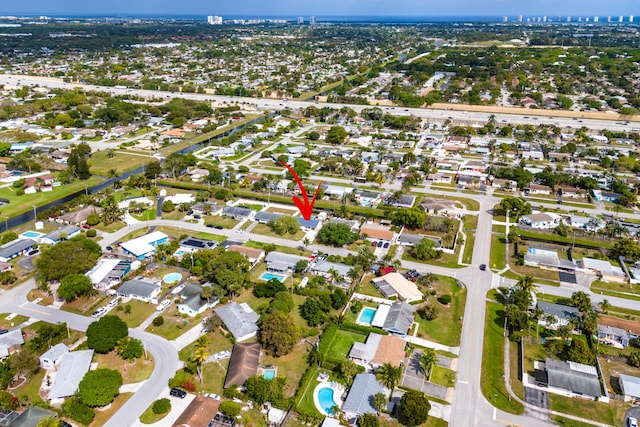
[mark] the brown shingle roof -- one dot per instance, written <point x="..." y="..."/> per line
<point x="244" y="362"/>
<point x="627" y="325"/>
<point x="247" y="251"/>
<point x="199" y="412"/>
<point x="377" y="233"/>
<point x="390" y="350"/>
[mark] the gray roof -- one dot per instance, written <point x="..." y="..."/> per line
<point x="360" y="398"/>
<point x="66" y="230"/>
<point x="12" y="248"/>
<point x="280" y="257"/>
<point x="10" y="339"/>
<point x="55" y="352"/>
<point x="31" y="417"/>
<point x="385" y="289"/>
<point x="400" y="317"/>
<point x="72" y="369"/>
<point x="239" y="319"/>
<point x="560" y="311"/>
<point x="236" y="211"/>
<point x="325" y="266"/>
<point x="578" y="378"/>
<point x="367" y="350"/>
<point x="267" y="216"/>
<point x="630" y="385"/>
<point x="137" y="287"/>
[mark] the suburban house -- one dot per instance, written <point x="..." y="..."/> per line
<point x="368" y="198"/>
<point x="377" y="233"/>
<point x="10" y="343"/>
<point x="108" y="272"/>
<point x="360" y="398"/>
<point x="396" y="285"/>
<point x="244" y="363"/>
<point x="542" y="258"/>
<point x="439" y="178"/>
<point x="561" y="315"/>
<point x="193" y="244"/>
<point x="144" y="246"/>
<point x="568" y="378"/>
<point x="541" y="221"/>
<point x="192" y="303"/>
<point x="145" y="289"/>
<point x="324" y="268"/>
<point x="237" y="212"/>
<point x="399" y="318"/>
<point x="80" y="216"/>
<point x="615" y="337"/>
<point x="631" y="327"/>
<point x="73" y="367"/>
<point x="200" y="412"/>
<point x="202" y="208"/>
<point x="239" y="319"/>
<point x="408" y="239"/>
<point x="630" y="386"/>
<point x="278" y="262"/>
<point x="52" y="357"/>
<point x="605" y="196"/>
<point x="604" y="270"/>
<point x="254" y="255"/>
<point x="15" y="248"/>
<point x="591" y="224"/>
<point x="534" y="189"/>
<point x="378" y="350"/>
<point x="571" y="192"/>
<point x="309" y="224"/>
<point x="57" y="236"/>
<point x="264" y="217"/>
<point x="405" y="201"/>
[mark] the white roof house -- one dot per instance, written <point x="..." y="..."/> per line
<point x="52" y="357"/>
<point x="630" y="387"/>
<point x="73" y="367"/>
<point x="239" y="319"/>
<point x="395" y="284"/>
<point x="101" y="269"/>
<point x="10" y="342"/>
<point x="143" y="246"/>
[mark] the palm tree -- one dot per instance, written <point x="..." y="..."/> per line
<point x="526" y="284"/>
<point x="206" y="293"/>
<point x="335" y="275"/>
<point x="200" y="355"/>
<point x="428" y="358"/>
<point x="536" y="315"/>
<point x="51" y="421"/>
<point x="379" y="401"/>
<point x="389" y="376"/>
<point x="604" y="305"/>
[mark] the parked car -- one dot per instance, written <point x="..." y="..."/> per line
<point x="197" y="216"/>
<point x="99" y="312"/>
<point x="114" y="302"/>
<point x="212" y="396"/>
<point x="178" y="393"/>
<point x="209" y="225"/>
<point x="218" y="227"/>
<point x="163" y="305"/>
<point x="374" y="244"/>
<point x="204" y="330"/>
<point x="633" y="422"/>
<point x="386" y="245"/>
<point x="483" y="267"/>
<point x="109" y="248"/>
<point x="3" y="331"/>
<point x="380" y="244"/>
<point x="34" y="252"/>
<point x="177" y="289"/>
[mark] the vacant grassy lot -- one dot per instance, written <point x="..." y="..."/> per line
<point x="7" y="324"/>
<point x="498" y="248"/>
<point x="175" y="324"/>
<point x="140" y="311"/>
<point x="265" y="230"/>
<point x="611" y="413"/>
<point x="447" y="327"/>
<point x="132" y="372"/>
<point x="470" y="225"/>
<point x="221" y="221"/>
<point x="101" y="164"/>
<point x="291" y="366"/>
<point x="85" y="305"/>
<point x="492" y="376"/>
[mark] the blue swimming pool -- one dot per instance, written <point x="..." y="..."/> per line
<point x="31" y="234"/>
<point x="172" y="277"/>
<point x="326" y="399"/>
<point x="269" y="276"/>
<point x="269" y="374"/>
<point x="366" y="315"/>
<point x="179" y="252"/>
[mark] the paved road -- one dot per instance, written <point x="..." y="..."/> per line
<point x="164" y="355"/>
<point x="270" y="104"/>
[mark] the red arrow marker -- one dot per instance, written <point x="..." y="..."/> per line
<point x="305" y="207"/>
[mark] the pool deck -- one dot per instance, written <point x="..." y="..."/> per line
<point x="338" y="389"/>
<point x="360" y="322"/>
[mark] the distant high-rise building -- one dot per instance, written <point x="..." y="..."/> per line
<point x="568" y="19"/>
<point x="609" y="19"/>
<point x="544" y="18"/>
<point x="620" y="18"/>
<point x="505" y="19"/>
<point x="300" y="20"/>
<point x="630" y="18"/>
<point x="586" y="19"/>
<point x="519" y="18"/>
<point x="312" y="20"/>
<point x="579" y="18"/>
<point x="214" y="20"/>
<point x="596" y="19"/>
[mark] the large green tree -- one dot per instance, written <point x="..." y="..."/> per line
<point x="103" y="335"/>
<point x="74" y="256"/>
<point x="414" y="408"/>
<point x="425" y="250"/>
<point x="74" y="286"/>
<point x="336" y="135"/>
<point x="278" y="333"/>
<point x="337" y="234"/>
<point x="285" y="225"/>
<point x="100" y="387"/>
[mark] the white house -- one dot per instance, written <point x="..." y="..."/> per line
<point x="542" y="221"/>
<point x="52" y="357"/>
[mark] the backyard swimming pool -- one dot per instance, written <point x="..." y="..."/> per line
<point x="269" y="374"/>
<point x="326" y="399"/>
<point x="269" y="276"/>
<point x="172" y="277"/>
<point x="366" y="315"/>
<point x="31" y="234"/>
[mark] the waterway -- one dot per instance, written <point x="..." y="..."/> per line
<point x="25" y="217"/>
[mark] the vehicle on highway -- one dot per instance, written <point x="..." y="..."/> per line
<point x="209" y="225"/>
<point x="163" y="305"/>
<point x="99" y="312"/>
<point x="114" y="302"/>
<point x="178" y="393"/>
<point x="483" y="267"/>
<point x="218" y="227"/>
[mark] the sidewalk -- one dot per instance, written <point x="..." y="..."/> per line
<point x="187" y="338"/>
<point x="434" y="345"/>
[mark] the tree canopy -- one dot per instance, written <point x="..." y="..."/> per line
<point x="278" y="333"/>
<point x="425" y="249"/>
<point x="414" y="408"/>
<point x="99" y="387"/>
<point x="74" y="286"/>
<point x="103" y="335"/>
<point x="74" y="256"/>
<point x="336" y="135"/>
<point x="285" y="225"/>
<point x="337" y="234"/>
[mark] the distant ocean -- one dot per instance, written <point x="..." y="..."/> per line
<point x="319" y="18"/>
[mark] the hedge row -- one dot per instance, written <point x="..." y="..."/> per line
<point x="361" y="329"/>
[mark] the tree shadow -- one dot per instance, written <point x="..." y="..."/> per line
<point x="499" y="318"/>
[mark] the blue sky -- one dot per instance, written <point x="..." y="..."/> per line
<point x="325" y="7"/>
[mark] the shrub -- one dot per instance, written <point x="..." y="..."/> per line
<point x="428" y="312"/>
<point x="91" y="233"/>
<point x="78" y="411"/>
<point x="444" y="299"/>
<point x="161" y="406"/>
<point x="158" y="321"/>
<point x="93" y="219"/>
<point x="230" y="408"/>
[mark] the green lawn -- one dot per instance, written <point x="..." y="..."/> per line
<point x="343" y="342"/>
<point x="285" y="249"/>
<point x="147" y="215"/>
<point x="24" y="203"/>
<point x="566" y="422"/>
<point x="140" y="311"/>
<point x="492" y="375"/>
<point x="447" y="327"/>
<point x="265" y="230"/>
<point x="17" y="320"/>
<point x="443" y="376"/>
<point x="216" y="342"/>
<point x="148" y="417"/>
<point x="175" y="324"/>
<point x="291" y="366"/>
<point x="498" y="247"/>
<point x="222" y="221"/>
<point x="209" y="236"/>
<point x="100" y="164"/>
<point x="254" y="207"/>
<point x="306" y="404"/>
<point x="611" y="413"/>
<point x="470" y="225"/>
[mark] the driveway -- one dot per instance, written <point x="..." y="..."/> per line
<point x="413" y="378"/>
<point x="26" y="263"/>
